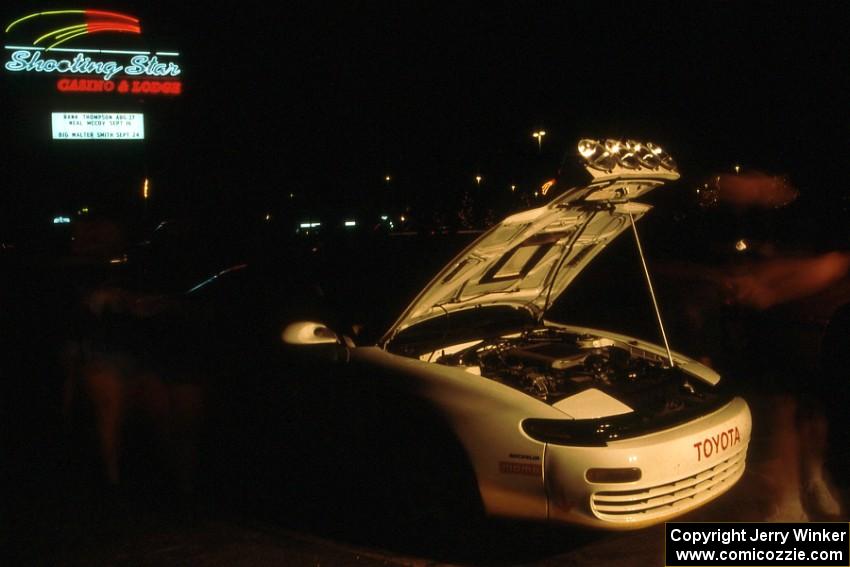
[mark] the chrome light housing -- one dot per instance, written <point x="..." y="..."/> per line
<point x="630" y="155"/>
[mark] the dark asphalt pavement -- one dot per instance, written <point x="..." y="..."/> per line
<point x="59" y="514"/>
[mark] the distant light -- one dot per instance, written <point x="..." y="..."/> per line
<point x="146" y="189"/>
<point x="546" y="186"/>
<point x="478" y="179"/>
<point x="384" y="217"/>
<point x="539" y="135"/>
<point x="402" y="219"/>
<point x="292" y="195"/>
<point x="737" y="168"/>
<point x="310" y="224"/>
<point x="268" y="216"/>
<point x="741" y="245"/>
<point x="350" y="223"/>
<point x="61" y="220"/>
<point x="513" y="188"/>
<point x="387" y="178"/>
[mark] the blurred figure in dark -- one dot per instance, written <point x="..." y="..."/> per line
<point x="783" y="294"/>
<point x="96" y="240"/>
<point x="175" y="377"/>
<point x="766" y="295"/>
<point x="112" y="367"/>
<point x="835" y="357"/>
<point x="135" y="354"/>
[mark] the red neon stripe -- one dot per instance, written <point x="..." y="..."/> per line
<point x="113" y="28"/>
<point x="101" y="30"/>
<point x="112" y="25"/>
<point x="112" y="15"/>
<point x="109" y="26"/>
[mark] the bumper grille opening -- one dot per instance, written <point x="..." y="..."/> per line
<point x="626" y="506"/>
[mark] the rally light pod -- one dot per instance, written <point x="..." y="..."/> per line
<point x="616" y="158"/>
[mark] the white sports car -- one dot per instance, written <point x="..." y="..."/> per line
<point x="555" y="422"/>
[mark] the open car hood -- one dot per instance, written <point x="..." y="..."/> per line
<point x="529" y="259"/>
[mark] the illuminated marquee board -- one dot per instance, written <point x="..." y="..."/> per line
<point x="98" y="126"/>
<point x="91" y="70"/>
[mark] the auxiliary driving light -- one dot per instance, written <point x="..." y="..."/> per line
<point x="630" y="158"/>
<point x="631" y="155"/>
<point x="588" y="148"/>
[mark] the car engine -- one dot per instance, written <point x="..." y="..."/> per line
<point x="551" y="364"/>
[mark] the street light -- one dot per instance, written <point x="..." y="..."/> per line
<point x="539" y="135"/>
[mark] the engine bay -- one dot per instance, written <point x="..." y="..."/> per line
<point x="553" y="364"/>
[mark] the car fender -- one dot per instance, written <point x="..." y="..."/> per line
<point x="485" y="416"/>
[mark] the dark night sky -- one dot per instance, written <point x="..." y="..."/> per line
<point x="324" y="99"/>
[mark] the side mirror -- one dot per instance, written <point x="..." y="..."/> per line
<point x="308" y="333"/>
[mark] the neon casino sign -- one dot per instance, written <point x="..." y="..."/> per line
<point x="91" y="70"/>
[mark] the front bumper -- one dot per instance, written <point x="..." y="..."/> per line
<point x="682" y="468"/>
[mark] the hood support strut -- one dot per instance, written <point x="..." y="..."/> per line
<point x="651" y="290"/>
